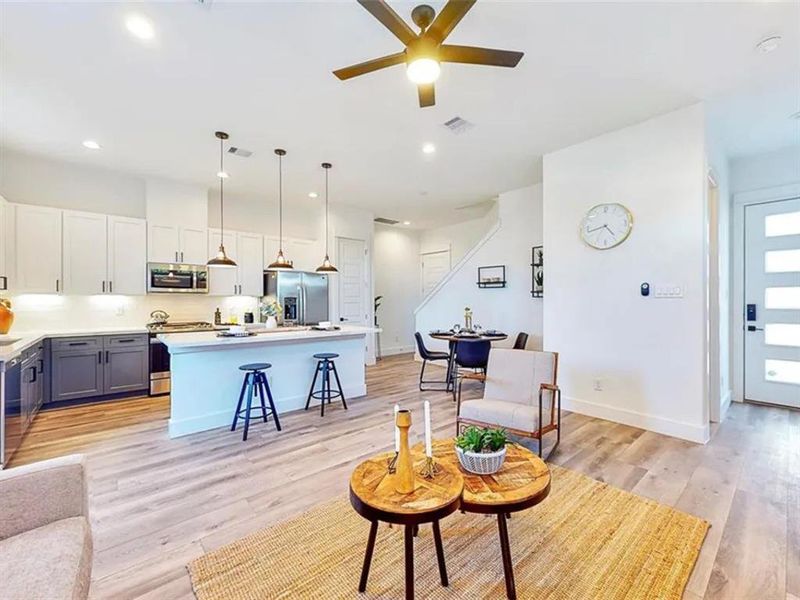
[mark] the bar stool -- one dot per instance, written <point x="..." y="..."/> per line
<point x="255" y="383"/>
<point x="325" y="365"/>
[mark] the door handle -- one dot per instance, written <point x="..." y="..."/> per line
<point x="754" y="328"/>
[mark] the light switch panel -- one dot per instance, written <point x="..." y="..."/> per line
<point x="668" y="291"/>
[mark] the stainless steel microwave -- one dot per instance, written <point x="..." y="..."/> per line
<point x="176" y="278"/>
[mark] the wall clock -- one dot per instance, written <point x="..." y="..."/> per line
<point x="606" y="226"/>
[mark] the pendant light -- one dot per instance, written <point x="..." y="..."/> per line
<point x="221" y="259"/>
<point x="280" y="264"/>
<point x="326" y="266"/>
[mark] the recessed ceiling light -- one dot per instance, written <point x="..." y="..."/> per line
<point x="428" y="148"/>
<point x="768" y="44"/>
<point x="140" y="26"/>
<point x="312" y="194"/>
<point x="91" y="145"/>
<point x="222" y="174"/>
<point x="406" y="222"/>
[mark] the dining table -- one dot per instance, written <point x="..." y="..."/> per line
<point x="453" y="337"/>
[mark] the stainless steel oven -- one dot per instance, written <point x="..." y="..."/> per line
<point x="159" y="354"/>
<point x="172" y="278"/>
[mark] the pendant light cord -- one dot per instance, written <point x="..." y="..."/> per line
<point x="326" y="213"/>
<point x="221" y="210"/>
<point x="280" y="202"/>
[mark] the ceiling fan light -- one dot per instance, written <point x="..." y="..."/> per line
<point x="221" y="259"/>
<point x="423" y="70"/>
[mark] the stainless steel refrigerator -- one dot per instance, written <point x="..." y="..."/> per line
<point x="302" y="296"/>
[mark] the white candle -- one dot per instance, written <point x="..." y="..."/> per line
<point x="396" y="430"/>
<point x="428" y="450"/>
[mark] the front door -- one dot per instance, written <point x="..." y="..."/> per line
<point x="352" y="281"/>
<point x="772" y="303"/>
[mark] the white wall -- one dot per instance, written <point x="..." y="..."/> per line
<point x="510" y="309"/>
<point x="302" y="217"/>
<point x="647" y="353"/>
<point x="34" y="180"/>
<point x="174" y="203"/>
<point x="771" y="169"/>
<point x="397" y="279"/>
<point x="459" y="238"/>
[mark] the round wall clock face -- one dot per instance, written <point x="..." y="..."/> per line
<point x="606" y="226"/>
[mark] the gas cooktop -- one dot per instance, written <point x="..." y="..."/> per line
<point x="179" y="327"/>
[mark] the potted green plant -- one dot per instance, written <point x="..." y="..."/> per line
<point x="481" y="451"/>
<point x="271" y="310"/>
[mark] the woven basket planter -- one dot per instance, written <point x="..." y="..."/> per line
<point x="481" y="463"/>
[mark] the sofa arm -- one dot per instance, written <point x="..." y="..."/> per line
<point x="42" y="493"/>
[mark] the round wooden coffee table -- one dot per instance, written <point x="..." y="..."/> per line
<point x="373" y="496"/>
<point x="523" y="481"/>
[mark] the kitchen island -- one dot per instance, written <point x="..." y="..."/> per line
<point x="206" y="380"/>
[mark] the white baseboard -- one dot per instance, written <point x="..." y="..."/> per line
<point x="392" y="350"/>
<point x="693" y="433"/>
<point x="178" y="428"/>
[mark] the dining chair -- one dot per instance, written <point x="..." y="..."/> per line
<point x="429" y="356"/>
<point x="517" y="386"/>
<point x="470" y="355"/>
<point x="521" y="341"/>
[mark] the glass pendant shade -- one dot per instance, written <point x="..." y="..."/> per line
<point x="280" y="263"/>
<point x="326" y="266"/>
<point x="221" y="259"/>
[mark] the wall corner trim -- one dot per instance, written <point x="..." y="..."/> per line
<point x="460" y="264"/>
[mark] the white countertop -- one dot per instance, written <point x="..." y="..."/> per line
<point x="205" y="340"/>
<point x="26" y="339"/>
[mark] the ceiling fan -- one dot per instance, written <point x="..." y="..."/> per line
<point x="425" y="50"/>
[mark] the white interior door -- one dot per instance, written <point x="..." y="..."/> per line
<point x="352" y="281"/>
<point x="772" y="303"/>
<point x="433" y="266"/>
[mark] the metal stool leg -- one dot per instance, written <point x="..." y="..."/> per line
<point x="260" y="379"/>
<point x="313" y="383"/>
<point x="239" y="405"/>
<point x="324" y="378"/>
<point x="339" y="384"/>
<point x="271" y="403"/>
<point x="249" y="405"/>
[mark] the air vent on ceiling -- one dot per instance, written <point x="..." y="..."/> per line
<point x="240" y="152"/>
<point x="386" y="221"/>
<point x="458" y="125"/>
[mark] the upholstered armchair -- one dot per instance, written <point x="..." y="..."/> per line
<point x="520" y="394"/>
<point x="45" y="535"/>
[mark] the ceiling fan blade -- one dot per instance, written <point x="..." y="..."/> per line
<point x="479" y="56"/>
<point x="370" y="66"/>
<point x="427" y="96"/>
<point x="390" y="19"/>
<point x="447" y="19"/>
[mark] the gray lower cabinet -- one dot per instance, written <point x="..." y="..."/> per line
<point x="98" y="366"/>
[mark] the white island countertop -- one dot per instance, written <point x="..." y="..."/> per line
<point x="179" y="343"/>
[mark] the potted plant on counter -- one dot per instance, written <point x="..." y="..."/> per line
<point x="271" y="310"/>
<point x="481" y="451"/>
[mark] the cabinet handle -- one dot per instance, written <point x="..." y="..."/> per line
<point x="33" y="371"/>
<point x="4" y="279"/>
<point x="128" y="341"/>
<point x="57" y="285"/>
<point x="99" y="357"/>
<point x="77" y="343"/>
<point x="181" y="255"/>
<point x="110" y="287"/>
<point x="41" y="365"/>
<point x="104" y="287"/>
<point x="176" y="256"/>
<point x="107" y="355"/>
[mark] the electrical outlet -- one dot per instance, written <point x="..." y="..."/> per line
<point x="121" y="310"/>
<point x="669" y="291"/>
<point x="598" y="385"/>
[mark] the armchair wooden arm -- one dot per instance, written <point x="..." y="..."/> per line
<point x="549" y="386"/>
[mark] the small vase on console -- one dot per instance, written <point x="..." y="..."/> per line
<point x="272" y="323"/>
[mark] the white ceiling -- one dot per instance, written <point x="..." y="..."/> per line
<point x="262" y="72"/>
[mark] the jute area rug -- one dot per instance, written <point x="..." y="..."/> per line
<point x="586" y="541"/>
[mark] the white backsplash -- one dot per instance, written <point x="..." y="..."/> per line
<point x="52" y="312"/>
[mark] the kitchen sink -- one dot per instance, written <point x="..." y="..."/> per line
<point x="8" y="341"/>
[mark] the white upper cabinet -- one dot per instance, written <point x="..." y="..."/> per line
<point x="85" y="253"/>
<point x="127" y="256"/>
<point x="37" y="230"/>
<point x="5" y="276"/>
<point x="194" y="246"/>
<point x="304" y="254"/>
<point x="173" y="244"/>
<point x="222" y="281"/>
<point x="271" y="246"/>
<point x="163" y="243"/>
<point x="250" y="259"/>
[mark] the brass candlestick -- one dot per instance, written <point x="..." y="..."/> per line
<point x="430" y="468"/>
<point x="404" y="477"/>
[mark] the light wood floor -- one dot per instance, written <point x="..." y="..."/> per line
<point x="156" y="503"/>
